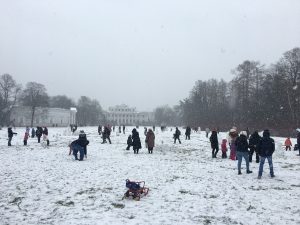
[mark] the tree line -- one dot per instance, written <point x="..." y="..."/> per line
<point x="258" y="96"/>
<point x="89" y="111"/>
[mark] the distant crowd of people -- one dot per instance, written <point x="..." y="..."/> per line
<point x="39" y="132"/>
<point x="242" y="145"/>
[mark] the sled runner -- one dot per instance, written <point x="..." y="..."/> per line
<point x="135" y="189"/>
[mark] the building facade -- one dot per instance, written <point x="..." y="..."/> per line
<point x="124" y="115"/>
<point x="51" y="117"/>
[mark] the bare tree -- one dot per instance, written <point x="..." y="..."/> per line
<point x="9" y="90"/>
<point x="89" y="111"/>
<point x="35" y="95"/>
<point x="61" y="101"/>
<point x="289" y="65"/>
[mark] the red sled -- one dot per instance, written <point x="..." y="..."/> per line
<point x="136" y="189"/>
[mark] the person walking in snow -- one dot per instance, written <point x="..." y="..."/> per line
<point x="288" y="144"/>
<point x="266" y="148"/>
<point x="177" y="135"/>
<point x="242" y="151"/>
<point x="124" y="129"/>
<point x="10" y="134"/>
<point x="106" y="134"/>
<point x="224" y="148"/>
<point x="136" y="141"/>
<point x="188" y="133"/>
<point x="150" y="137"/>
<point x="129" y="142"/>
<point x="45" y="135"/>
<point x="253" y="143"/>
<point x="214" y="143"/>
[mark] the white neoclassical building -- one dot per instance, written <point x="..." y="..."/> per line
<point x="51" y="117"/>
<point x="124" y="115"/>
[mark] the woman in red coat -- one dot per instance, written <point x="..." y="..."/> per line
<point x="150" y="137"/>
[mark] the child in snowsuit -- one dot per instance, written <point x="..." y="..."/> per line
<point x="224" y="148"/>
<point x="129" y="142"/>
<point x="288" y="144"/>
<point x="26" y="136"/>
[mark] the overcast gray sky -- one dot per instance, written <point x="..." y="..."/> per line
<point x="143" y="53"/>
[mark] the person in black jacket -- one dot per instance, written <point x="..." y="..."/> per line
<point x="214" y="143"/>
<point x="177" y="135"/>
<point x="106" y="134"/>
<point x="10" y="134"/>
<point x="39" y="133"/>
<point x="136" y="141"/>
<point x="129" y="142"/>
<point x="253" y="143"/>
<point x="78" y="146"/>
<point x="266" y="148"/>
<point x="82" y="138"/>
<point x="242" y="151"/>
<point x="298" y="142"/>
<point x="187" y="133"/>
<point x="32" y="132"/>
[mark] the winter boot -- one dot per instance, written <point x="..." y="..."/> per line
<point x="249" y="171"/>
<point x="239" y="172"/>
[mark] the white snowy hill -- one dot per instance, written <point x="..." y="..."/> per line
<point x="44" y="185"/>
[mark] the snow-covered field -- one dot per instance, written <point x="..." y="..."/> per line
<point x="40" y="185"/>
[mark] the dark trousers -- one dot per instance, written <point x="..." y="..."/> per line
<point x="76" y="149"/>
<point x="9" y="141"/>
<point x="187" y="137"/>
<point x="85" y="151"/>
<point x="135" y="150"/>
<point x="128" y="147"/>
<point x="252" y="150"/>
<point x="150" y="150"/>
<point x="39" y="139"/>
<point x="214" y="152"/>
<point x="25" y="142"/>
<point x="104" y="139"/>
<point x="176" y="139"/>
<point x="288" y="148"/>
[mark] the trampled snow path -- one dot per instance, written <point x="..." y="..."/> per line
<point x="46" y="186"/>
